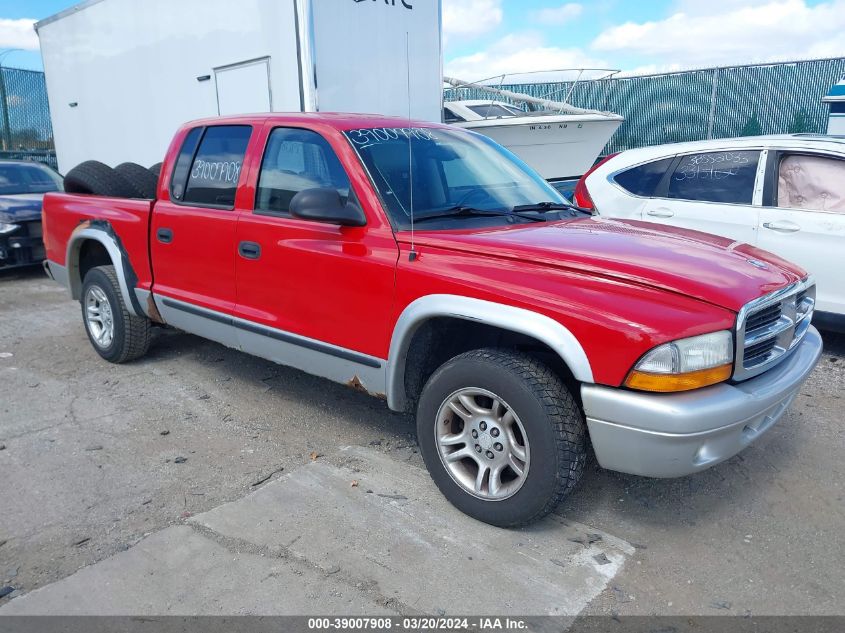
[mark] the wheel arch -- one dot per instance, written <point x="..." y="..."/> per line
<point x="84" y="237"/>
<point x="518" y="321"/>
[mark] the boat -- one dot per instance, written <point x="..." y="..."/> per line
<point x="557" y="139"/>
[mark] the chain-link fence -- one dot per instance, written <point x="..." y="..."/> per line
<point x="665" y="108"/>
<point x="700" y="104"/>
<point x="25" y="129"/>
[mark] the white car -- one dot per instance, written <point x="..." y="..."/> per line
<point x="784" y="194"/>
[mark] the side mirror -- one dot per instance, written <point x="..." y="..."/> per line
<point x="324" y="205"/>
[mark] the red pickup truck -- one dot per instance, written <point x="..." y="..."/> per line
<point x="430" y="267"/>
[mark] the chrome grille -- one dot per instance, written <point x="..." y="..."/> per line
<point x="768" y="327"/>
<point x="764" y="318"/>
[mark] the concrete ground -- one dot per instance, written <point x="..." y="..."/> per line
<point x="202" y="480"/>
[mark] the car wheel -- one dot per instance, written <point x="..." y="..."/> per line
<point x="501" y="436"/>
<point x="116" y="335"/>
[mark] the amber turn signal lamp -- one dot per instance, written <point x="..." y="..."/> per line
<point x="665" y="383"/>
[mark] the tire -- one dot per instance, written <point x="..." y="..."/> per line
<point x="142" y="180"/>
<point x="155" y="170"/>
<point x="553" y="442"/>
<point x="131" y="335"/>
<point x="96" y="179"/>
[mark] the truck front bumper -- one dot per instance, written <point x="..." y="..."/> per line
<point x="670" y="435"/>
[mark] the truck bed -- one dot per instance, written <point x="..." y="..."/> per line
<point x="126" y="220"/>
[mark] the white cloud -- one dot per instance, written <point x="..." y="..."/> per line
<point x="697" y="7"/>
<point x="470" y="18"/>
<point x="558" y="15"/>
<point x="745" y="32"/>
<point x="18" y="34"/>
<point x="518" y="53"/>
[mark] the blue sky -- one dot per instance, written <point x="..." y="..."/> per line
<point x="487" y="37"/>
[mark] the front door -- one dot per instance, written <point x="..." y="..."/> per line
<point x="322" y="293"/>
<point x="803" y="220"/>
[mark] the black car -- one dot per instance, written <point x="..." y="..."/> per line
<point x="22" y="187"/>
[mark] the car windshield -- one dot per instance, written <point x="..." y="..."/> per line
<point x="454" y="171"/>
<point x="17" y="178"/>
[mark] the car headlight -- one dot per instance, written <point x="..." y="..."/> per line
<point x="8" y="228"/>
<point x="685" y="364"/>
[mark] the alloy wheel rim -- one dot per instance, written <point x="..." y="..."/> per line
<point x="482" y="444"/>
<point x="99" y="317"/>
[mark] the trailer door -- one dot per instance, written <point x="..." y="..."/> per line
<point x="244" y="88"/>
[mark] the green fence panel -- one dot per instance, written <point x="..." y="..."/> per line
<point x="699" y="104"/>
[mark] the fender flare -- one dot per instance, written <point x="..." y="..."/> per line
<point x="102" y="232"/>
<point x="533" y="324"/>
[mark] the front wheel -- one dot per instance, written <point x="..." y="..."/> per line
<point x="501" y="435"/>
<point x="117" y="335"/>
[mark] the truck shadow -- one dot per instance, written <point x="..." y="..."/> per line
<point x="763" y="470"/>
<point x="601" y="496"/>
<point x="23" y="273"/>
<point x="278" y="386"/>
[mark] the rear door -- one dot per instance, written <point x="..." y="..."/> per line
<point x="625" y="193"/>
<point x="192" y="233"/>
<point x="711" y="191"/>
<point x="803" y="219"/>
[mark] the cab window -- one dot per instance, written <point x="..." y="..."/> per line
<point x="216" y="169"/>
<point x="451" y="117"/>
<point x="183" y="163"/>
<point x="296" y="160"/>
<point x="642" y="180"/>
<point x="811" y="182"/>
<point x="726" y="176"/>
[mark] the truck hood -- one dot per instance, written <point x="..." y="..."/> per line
<point x="713" y="269"/>
<point x="23" y="207"/>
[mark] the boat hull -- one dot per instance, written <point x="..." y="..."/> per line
<point x="558" y="147"/>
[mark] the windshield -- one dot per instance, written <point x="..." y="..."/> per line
<point x="17" y="178"/>
<point x="452" y="169"/>
<point x="492" y="110"/>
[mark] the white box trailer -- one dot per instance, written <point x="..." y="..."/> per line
<point x="122" y="75"/>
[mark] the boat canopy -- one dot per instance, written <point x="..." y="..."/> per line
<point x="539" y="102"/>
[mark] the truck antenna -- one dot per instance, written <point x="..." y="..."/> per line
<point x="412" y="256"/>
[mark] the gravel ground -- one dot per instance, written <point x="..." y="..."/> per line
<point x="96" y="456"/>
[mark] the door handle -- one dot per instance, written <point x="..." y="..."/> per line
<point x="249" y="250"/>
<point x="661" y="213"/>
<point x="165" y="236"/>
<point x="782" y="226"/>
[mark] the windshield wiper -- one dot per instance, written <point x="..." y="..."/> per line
<point x="545" y="207"/>
<point x="462" y="211"/>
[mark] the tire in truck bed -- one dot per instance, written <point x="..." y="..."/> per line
<point x="98" y="179"/>
<point x="143" y="181"/>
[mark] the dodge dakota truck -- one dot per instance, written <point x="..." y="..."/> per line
<point x="432" y="268"/>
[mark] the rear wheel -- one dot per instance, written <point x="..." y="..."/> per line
<point x="116" y="335"/>
<point x="501" y="436"/>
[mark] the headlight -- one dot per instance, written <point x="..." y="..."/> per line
<point x="685" y="364"/>
<point x="8" y="228"/>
